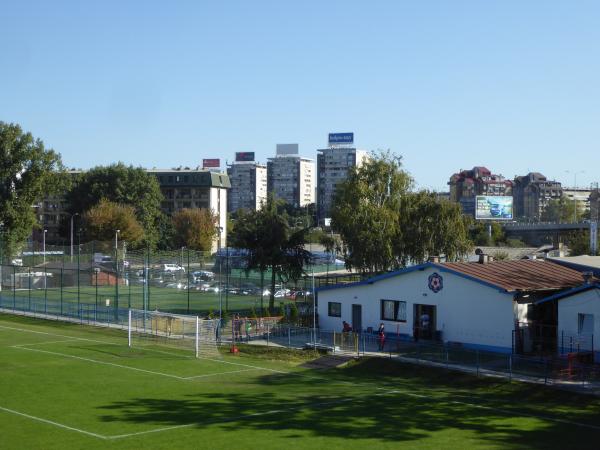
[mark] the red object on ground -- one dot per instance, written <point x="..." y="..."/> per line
<point x="234" y="349"/>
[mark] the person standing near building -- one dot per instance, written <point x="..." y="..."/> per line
<point x="381" y="336"/>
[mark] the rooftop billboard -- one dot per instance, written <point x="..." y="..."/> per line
<point x="244" y="156"/>
<point x="493" y="207"/>
<point x="341" y="138"/>
<point x="211" y="162"/>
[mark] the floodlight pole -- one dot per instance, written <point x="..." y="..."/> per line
<point x="72" y="217"/>
<point x="1" y="251"/>
<point x="44" y="256"/>
<point x="220" y="230"/>
<point x="314" y="308"/>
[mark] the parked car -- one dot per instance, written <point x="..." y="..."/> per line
<point x="172" y="268"/>
<point x="203" y="275"/>
<point x="282" y="293"/>
<point x="17" y="262"/>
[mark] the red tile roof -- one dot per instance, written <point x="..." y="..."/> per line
<point x="521" y="275"/>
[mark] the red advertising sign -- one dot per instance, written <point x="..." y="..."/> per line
<point x="215" y="162"/>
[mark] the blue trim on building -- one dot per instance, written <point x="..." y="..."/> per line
<point x="576" y="266"/>
<point x="572" y="291"/>
<point x="421" y="267"/>
<point x="376" y="278"/>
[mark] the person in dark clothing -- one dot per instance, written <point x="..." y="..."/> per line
<point x="381" y="337"/>
<point x="347" y="327"/>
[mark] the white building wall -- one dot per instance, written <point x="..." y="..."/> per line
<point x="466" y="312"/>
<point x="307" y="182"/>
<point x="218" y="204"/>
<point x="261" y="186"/>
<point x="569" y="308"/>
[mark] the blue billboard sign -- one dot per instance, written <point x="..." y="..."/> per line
<point x="341" y="138"/>
<point x="493" y="207"/>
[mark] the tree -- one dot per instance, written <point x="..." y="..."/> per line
<point x="579" y="243"/>
<point x="384" y="226"/>
<point x="28" y="171"/>
<point x="104" y="219"/>
<point x="195" y="228"/>
<point x="271" y="244"/>
<point x="125" y="185"/>
<point x="560" y="210"/>
<point x="431" y="227"/>
<point x="366" y="212"/>
<point x="481" y="235"/>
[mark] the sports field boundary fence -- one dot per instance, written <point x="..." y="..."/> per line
<point x="180" y="281"/>
<point x="564" y="371"/>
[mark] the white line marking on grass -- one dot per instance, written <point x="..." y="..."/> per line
<point x="216" y="374"/>
<point x="42" y="343"/>
<point x="245" y="365"/>
<point x="50" y="422"/>
<point x="80" y="358"/>
<point x="25" y="330"/>
<point x="492" y="408"/>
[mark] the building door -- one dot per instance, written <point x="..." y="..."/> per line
<point x="424" y="321"/>
<point x="357" y="318"/>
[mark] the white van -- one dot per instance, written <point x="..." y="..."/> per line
<point x="171" y="268"/>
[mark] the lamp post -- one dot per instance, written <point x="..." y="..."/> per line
<point x="44" y="255"/>
<point x="72" y="217"/>
<point x="1" y="251"/>
<point x="220" y="230"/>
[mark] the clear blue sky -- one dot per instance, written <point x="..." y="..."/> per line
<point x="512" y="85"/>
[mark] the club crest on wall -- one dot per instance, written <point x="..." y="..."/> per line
<point x="436" y="282"/>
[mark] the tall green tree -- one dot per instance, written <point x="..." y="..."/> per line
<point x="431" y="227"/>
<point x="271" y="244"/>
<point x="28" y="172"/>
<point x="125" y="185"/>
<point x="195" y="228"/>
<point x="385" y="226"/>
<point x="366" y="212"/>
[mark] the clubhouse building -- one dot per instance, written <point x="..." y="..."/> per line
<point x="503" y="306"/>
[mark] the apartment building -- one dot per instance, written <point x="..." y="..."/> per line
<point x="333" y="165"/>
<point x="467" y="184"/>
<point x="532" y="193"/>
<point x="248" y="185"/>
<point x="195" y="188"/>
<point x="291" y="177"/>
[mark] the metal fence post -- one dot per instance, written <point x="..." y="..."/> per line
<point x="268" y="335"/>
<point x="289" y="338"/>
<point x="61" y="290"/>
<point x="29" y="290"/>
<point x="14" y="287"/>
<point x="510" y="367"/>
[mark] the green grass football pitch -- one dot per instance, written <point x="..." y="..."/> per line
<point x="66" y="386"/>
